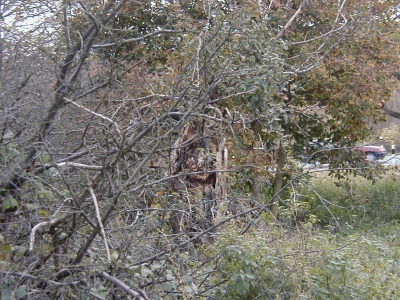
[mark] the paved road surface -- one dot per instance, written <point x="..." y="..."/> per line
<point x="388" y="160"/>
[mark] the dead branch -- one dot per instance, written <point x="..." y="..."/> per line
<point x="102" y="232"/>
<point x="78" y="165"/>
<point x="138" y="295"/>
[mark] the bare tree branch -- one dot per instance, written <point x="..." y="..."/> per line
<point x="62" y="88"/>
<point x="289" y="23"/>
<point x="97" y="115"/>
<point x="36" y="228"/>
<point x="390" y="112"/>
<point x="78" y="165"/>
<point x="102" y="232"/>
<point x="138" y="295"/>
<point x="66" y="25"/>
<point x="31" y="277"/>
<point x="323" y="35"/>
<point x="138" y="39"/>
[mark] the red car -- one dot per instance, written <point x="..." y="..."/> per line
<point x="373" y="152"/>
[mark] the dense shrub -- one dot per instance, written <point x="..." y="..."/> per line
<point x="271" y="264"/>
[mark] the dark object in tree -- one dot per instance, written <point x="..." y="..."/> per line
<point x="390" y="112"/>
<point x="191" y="157"/>
<point x="387" y="110"/>
<point x="201" y="187"/>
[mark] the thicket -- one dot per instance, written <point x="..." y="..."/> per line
<point x="145" y="145"/>
<point x="267" y="264"/>
<point x="338" y="240"/>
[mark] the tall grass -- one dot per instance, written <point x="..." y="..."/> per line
<point x="353" y="201"/>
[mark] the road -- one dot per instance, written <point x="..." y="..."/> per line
<point x="388" y="160"/>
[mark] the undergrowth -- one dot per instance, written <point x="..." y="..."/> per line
<point x="335" y="240"/>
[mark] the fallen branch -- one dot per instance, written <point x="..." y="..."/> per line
<point x="78" y="165"/>
<point x="140" y="296"/>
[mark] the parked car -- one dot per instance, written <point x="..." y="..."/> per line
<point x="372" y="153"/>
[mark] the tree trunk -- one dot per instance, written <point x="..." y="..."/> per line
<point x="195" y="190"/>
<point x="278" y="182"/>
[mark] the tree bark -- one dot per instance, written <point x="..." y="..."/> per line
<point x="278" y="182"/>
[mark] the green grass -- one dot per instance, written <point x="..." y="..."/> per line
<point x="355" y="201"/>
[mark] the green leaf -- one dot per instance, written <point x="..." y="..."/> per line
<point x="5" y="292"/>
<point x="4" y="266"/>
<point x="145" y="271"/>
<point x="20" y="293"/>
<point x="156" y="265"/>
<point x="168" y="286"/>
<point x="188" y="290"/>
<point x="9" y="203"/>
<point x="20" y="251"/>
<point x="42" y="212"/>
<point x="250" y="276"/>
<point x="100" y="291"/>
<point x="26" y="184"/>
<point x="44" y="158"/>
<point x="240" y="290"/>
<point x="187" y="279"/>
<point x="114" y="255"/>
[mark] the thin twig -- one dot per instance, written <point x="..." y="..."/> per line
<point x="132" y="40"/>
<point x="102" y="232"/>
<point x="96" y="114"/>
<point x="48" y="223"/>
<point x="322" y="35"/>
<point x="289" y="23"/>
<point x="31" y="277"/>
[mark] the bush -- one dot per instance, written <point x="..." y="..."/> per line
<point x="271" y="264"/>
<point x="384" y="201"/>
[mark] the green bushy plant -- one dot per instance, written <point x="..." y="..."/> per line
<point x="384" y="200"/>
<point x="271" y="263"/>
